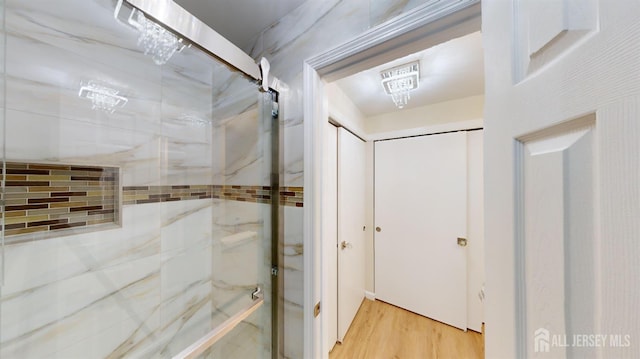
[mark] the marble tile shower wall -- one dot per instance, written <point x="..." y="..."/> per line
<point x="157" y="282"/>
<point x="313" y="28"/>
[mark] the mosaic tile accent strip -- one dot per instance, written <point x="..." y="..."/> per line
<point x="292" y="196"/>
<point x="153" y="194"/>
<point x="289" y="196"/>
<point x="48" y="197"/>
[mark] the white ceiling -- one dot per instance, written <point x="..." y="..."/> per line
<point x="240" y="21"/>
<point x="448" y="71"/>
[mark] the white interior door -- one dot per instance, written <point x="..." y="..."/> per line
<point x="421" y="210"/>
<point x="351" y="222"/>
<point x="562" y="178"/>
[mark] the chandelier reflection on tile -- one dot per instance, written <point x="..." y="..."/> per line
<point x="154" y="40"/>
<point x="102" y="97"/>
<point x="399" y="81"/>
<point x="192" y="120"/>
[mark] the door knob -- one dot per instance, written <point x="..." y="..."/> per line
<point x="378" y="229"/>
<point x="462" y="242"/>
<point x="345" y="244"/>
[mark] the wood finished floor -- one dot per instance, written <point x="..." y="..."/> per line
<point x="383" y="331"/>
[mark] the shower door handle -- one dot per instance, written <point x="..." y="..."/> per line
<point x="219" y="332"/>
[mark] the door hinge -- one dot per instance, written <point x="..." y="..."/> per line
<point x="274" y="271"/>
<point x="316" y="310"/>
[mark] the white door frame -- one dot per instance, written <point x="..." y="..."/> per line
<point x="415" y="30"/>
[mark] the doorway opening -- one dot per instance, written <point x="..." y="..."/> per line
<point x="450" y="101"/>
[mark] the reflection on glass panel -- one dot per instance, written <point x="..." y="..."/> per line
<point x="138" y="195"/>
<point x="241" y="342"/>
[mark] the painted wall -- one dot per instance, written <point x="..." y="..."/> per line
<point x="344" y="111"/>
<point x="463" y="109"/>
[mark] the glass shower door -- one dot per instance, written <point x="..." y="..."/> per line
<point x="137" y="191"/>
<point x="228" y="259"/>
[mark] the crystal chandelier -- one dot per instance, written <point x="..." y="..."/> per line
<point x="102" y="97"/>
<point x="154" y="40"/>
<point x="399" y="81"/>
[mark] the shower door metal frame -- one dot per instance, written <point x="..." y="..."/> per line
<point x="176" y="19"/>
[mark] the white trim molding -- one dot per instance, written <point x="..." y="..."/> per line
<point x="425" y="26"/>
<point x="428" y="25"/>
<point x="312" y="233"/>
<point x="369" y="295"/>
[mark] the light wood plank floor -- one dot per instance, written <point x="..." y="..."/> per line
<point x="383" y="331"/>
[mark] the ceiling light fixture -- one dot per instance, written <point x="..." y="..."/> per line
<point x="399" y="81"/>
<point x="102" y="97"/>
<point x="154" y="40"/>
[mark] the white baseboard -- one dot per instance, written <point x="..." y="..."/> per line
<point x="369" y="295"/>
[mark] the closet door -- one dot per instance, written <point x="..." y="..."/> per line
<point x="351" y="222"/>
<point x="421" y="212"/>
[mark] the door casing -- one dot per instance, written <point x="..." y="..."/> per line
<point x="424" y="27"/>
